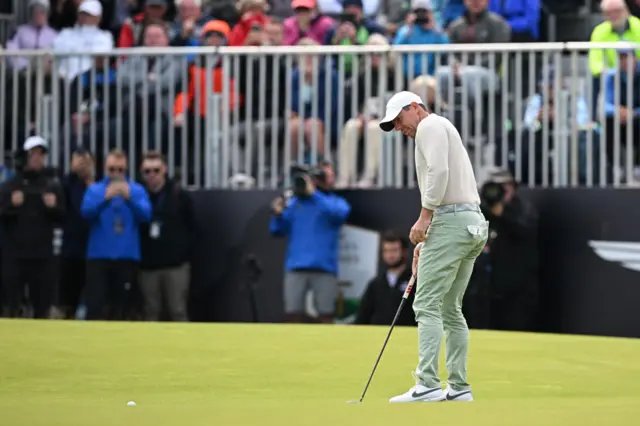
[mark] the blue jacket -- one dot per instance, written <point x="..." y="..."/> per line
<point x="452" y="11"/>
<point x="104" y="242"/>
<point x="313" y="227"/>
<point x="522" y="15"/>
<point x="610" y="106"/>
<point x="414" y="34"/>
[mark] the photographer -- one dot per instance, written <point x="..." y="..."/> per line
<point x="511" y="257"/>
<point x="311" y="219"/>
<point x="31" y="206"/>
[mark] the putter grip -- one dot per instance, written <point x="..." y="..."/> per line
<point x="407" y="292"/>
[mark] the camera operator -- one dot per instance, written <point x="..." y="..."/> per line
<point x="511" y="256"/>
<point x="311" y="219"/>
<point x="31" y="205"/>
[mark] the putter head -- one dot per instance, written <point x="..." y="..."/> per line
<point x="354" y="402"/>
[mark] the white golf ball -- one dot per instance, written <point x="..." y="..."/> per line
<point x="131" y="404"/>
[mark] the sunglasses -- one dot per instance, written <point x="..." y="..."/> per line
<point x="115" y="169"/>
<point x="154" y="171"/>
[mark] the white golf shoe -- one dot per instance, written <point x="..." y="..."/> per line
<point x="462" y="396"/>
<point x="420" y="393"/>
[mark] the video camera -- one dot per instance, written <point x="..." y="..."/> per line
<point x="299" y="175"/>
<point x="422" y="17"/>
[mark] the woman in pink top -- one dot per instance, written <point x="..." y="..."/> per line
<point x="306" y="23"/>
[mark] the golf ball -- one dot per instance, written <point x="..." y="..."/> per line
<point x="131" y="404"/>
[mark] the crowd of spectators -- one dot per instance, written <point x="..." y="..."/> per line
<point x="320" y="108"/>
<point x="164" y="94"/>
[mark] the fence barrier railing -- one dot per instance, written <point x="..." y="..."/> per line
<point x="230" y="116"/>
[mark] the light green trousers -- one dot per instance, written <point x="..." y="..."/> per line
<point x="454" y="240"/>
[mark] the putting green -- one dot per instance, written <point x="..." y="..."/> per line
<point x="78" y="373"/>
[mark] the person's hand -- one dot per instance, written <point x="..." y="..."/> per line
<point x="277" y="206"/>
<point x="346" y="30"/>
<point x="79" y="119"/>
<point x="112" y="191"/>
<point x="17" y="198"/>
<point x="178" y="120"/>
<point x="410" y="19"/>
<point x="416" y="257"/>
<point x="497" y="209"/>
<point x="49" y="199"/>
<point x="124" y="189"/>
<point x="418" y="231"/>
<point x="456" y="68"/>
<point x="311" y="188"/>
<point x="152" y="76"/>
<point x="187" y="28"/>
<point x="254" y="38"/>
<point x="623" y="112"/>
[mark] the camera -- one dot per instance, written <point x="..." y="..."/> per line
<point x="348" y="17"/>
<point x="492" y="193"/>
<point x="422" y="17"/>
<point x="299" y="176"/>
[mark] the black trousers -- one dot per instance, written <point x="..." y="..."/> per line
<point x="17" y="274"/>
<point x="73" y="275"/>
<point x="109" y="288"/>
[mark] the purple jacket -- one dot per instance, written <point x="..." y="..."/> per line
<point x="28" y="37"/>
<point x="317" y="31"/>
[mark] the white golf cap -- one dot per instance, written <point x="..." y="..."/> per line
<point x="35" y="142"/>
<point x="395" y="105"/>
<point x="421" y="4"/>
<point x="91" y="7"/>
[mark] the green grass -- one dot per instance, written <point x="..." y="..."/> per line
<point x="78" y="373"/>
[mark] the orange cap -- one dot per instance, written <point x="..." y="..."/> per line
<point x="216" y="26"/>
<point x="308" y="4"/>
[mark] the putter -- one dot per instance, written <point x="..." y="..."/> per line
<point x="405" y="296"/>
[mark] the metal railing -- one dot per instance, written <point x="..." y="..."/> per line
<point x="227" y="116"/>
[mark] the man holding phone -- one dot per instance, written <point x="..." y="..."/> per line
<point x="115" y="207"/>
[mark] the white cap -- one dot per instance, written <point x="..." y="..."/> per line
<point x="395" y="105"/>
<point x="41" y="3"/>
<point x="91" y="7"/>
<point x="35" y="142"/>
<point x="421" y="4"/>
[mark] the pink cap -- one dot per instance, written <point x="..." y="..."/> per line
<point x="309" y="4"/>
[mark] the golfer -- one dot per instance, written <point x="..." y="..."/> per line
<point x="450" y="233"/>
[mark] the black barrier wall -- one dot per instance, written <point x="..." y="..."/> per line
<point x="581" y="292"/>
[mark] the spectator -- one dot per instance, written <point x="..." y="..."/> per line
<point x="64" y="14"/>
<point x="383" y="294"/>
<point x="76" y="232"/>
<point x="304" y="119"/>
<point x="93" y="104"/>
<point x="306" y="22"/>
<point x="315" y="214"/>
<point x="382" y="83"/>
<point x="512" y="254"/>
<point x="189" y="23"/>
<point x="35" y="35"/>
<point x="224" y="10"/>
<point x="618" y="26"/>
<point x="627" y="110"/>
<point x="152" y="80"/>
<point x="31" y="206"/>
<point x="351" y="29"/>
<point x="274" y="32"/>
<point x="368" y="8"/>
<point x="541" y="107"/>
<point x="86" y="37"/>
<point x="252" y="20"/>
<point x="115" y="208"/>
<point x="634" y="7"/>
<point x="166" y="243"/>
<point x="474" y="72"/>
<point x="133" y="29"/>
<point x="190" y="107"/>
<point x="523" y="16"/>
<point x="280" y="9"/>
<point x="419" y="29"/>
<point x="255" y="117"/>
